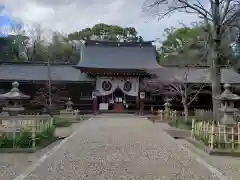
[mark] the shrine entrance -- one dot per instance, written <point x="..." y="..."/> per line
<point x="117" y="93"/>
<point x="119" y="101"/>
<point x="114" y="102"/>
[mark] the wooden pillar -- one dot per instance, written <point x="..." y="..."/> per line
<point x="137" y="101"/>
<point x="137" y="97"/>
<point x="142" y="99"/>
<point x="95" y="103"/>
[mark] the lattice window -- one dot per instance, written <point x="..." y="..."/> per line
<point x="130" y="100"/>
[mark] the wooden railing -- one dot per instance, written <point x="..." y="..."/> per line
<point x="169" y="115"/>
<point x="33" y="125"/>
<point x="203" y="114"/>
<point x="215" y="135"/>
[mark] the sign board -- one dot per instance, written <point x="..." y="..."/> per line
<point x="94" y="95"/>
<point x="142" y="95"/>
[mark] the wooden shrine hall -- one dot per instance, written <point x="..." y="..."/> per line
<point x="109" y="77"/>
<point x="118" y="69"/>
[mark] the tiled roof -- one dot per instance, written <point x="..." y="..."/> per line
<point x="107" y="56"/>
<point x="39" y="72"/>
<point x="193" y="75"/>
<point x="65" y="72"/>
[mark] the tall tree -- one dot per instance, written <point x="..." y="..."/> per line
<point x="6" y="48"/>
<point x="26" y="44"/>
<point x="183" y="46"/>
<point x="218" y="15"/>
<point x="188" y="45"/>
<point x="62" y="49"/>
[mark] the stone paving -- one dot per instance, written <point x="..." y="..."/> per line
<point x="120" y="148"/>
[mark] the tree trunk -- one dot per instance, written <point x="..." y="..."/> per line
<point x="216" y="90"/>
<point x="185" y="113"/>
<point x="216" y="72"/>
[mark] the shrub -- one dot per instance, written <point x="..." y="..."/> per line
<point x="25" y="139"/>
<point x="6" y="142"/>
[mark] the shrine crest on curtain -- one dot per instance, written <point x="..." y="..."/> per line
<point x="107" y="85"/>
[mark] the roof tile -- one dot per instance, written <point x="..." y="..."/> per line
<point x="192" y="75"/>
<point x="40" y="72"/>
<point x="110" y="57"/>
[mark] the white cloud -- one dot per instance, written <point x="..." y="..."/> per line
<point x="77" y="15"/>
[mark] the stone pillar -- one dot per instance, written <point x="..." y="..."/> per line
<point x="95" y="105"/>
<point x="167" y="110"/>
<point x="69" y="104"/>
<point x="142" y="99"/>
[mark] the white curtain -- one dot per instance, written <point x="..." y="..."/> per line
<point x="99" y="85"/>
<point x="134" y="86"/>
<point x="118" y="83"/>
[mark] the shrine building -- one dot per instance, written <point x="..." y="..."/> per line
<point x="109" y="77"/>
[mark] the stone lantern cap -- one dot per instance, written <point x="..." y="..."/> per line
<point x="69" y="102"/>
<point x="14" y="93"/>
<point x="227" y="95"/>
<point x="167" y="104"/>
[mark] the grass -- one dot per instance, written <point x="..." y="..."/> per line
<point x="25" y="140"/>
<point x="181" y="124"/>
<point x="30" y="150"/>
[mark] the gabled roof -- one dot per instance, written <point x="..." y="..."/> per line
<point x="39" y="72"/>
<point x="109" y="55"/>
<point x="192" y="75"/>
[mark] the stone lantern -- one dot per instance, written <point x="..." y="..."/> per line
<point x="168" y="99"/>
<point x="227" y="99"/>
<point x="69" y="113"/>
<point x="14" y="100"/>
<point x="69" y="104"/>
<point x="14" y="106"/>
<point x="166" y="111"/>
<point x="167" y="106"/>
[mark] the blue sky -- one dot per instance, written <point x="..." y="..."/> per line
<point x="5" y="20"/>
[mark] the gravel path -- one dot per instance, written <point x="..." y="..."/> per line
<point x="229" y="166"/>
<point x="12" y="164"/>
<point x="120" y="149"/>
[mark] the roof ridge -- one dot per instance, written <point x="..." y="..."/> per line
<point x="34" y="63"/>
<point x="117" y="44"/>
<point x="191" y="66"/>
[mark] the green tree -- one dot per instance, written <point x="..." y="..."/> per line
<point x="183" y="46"/>
<point x="13" y="47"/>
<point x="6" y="49"/>
<point x="188" y="45"/>
<point x="62" y="49"/>
<point x="107" y="32"/>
